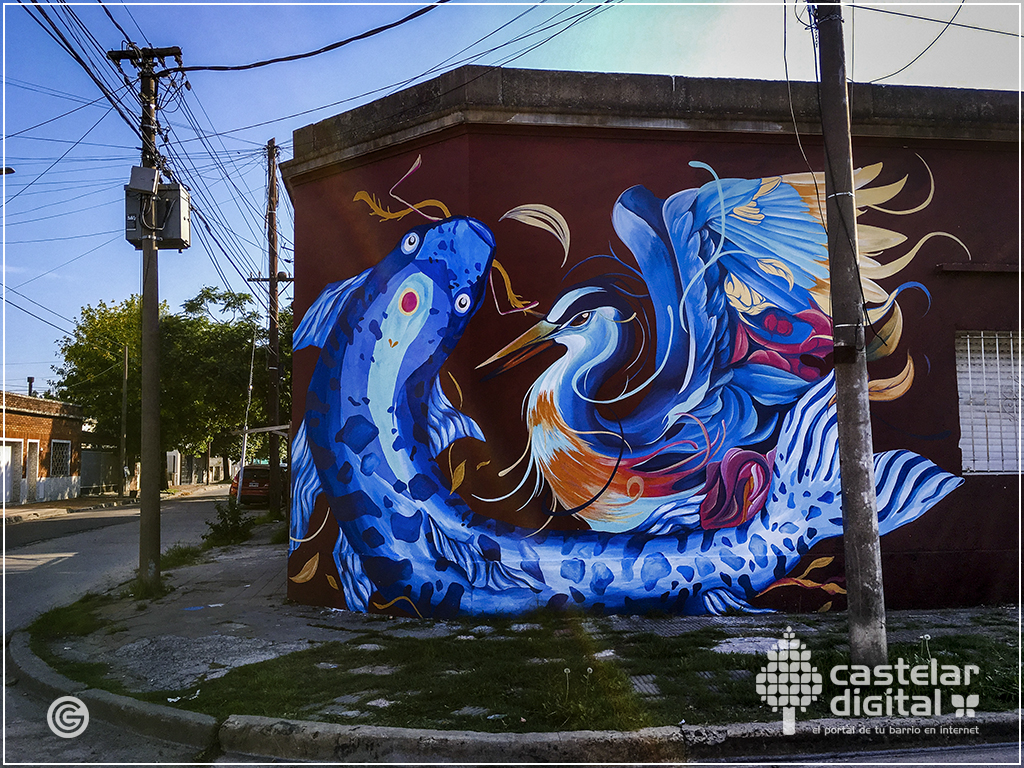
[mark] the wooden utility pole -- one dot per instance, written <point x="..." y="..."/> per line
<point x="152" y="460"/>
<point x="273" y="390"/>
<point x="856" y="457"/>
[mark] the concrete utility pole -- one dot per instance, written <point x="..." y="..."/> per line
<point x="273" y="390"/>
<point x="124" y="428"/>
<point x="856" y="457"/>
<point x="152" y="461"/>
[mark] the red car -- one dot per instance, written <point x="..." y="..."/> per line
<point x="256" y="484"/>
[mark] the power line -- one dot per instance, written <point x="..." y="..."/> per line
<point x="386" y="88"/>
<point x="61" y="214"/>
<point x="332" y="47"/>
<point x="37" y="317"/>
<point x="52" y="119"/>
<point x="51" y="28"/>
<point x="41" y="306"/>
<point x="926" y="49"/>
<point x="936" y="21"/>
<point x="102" y="117"/>
<point x="76" y="143"/>
<point x="68" y="237"/>
<point x="127" y="37"/>
<point x="76" y="258"/>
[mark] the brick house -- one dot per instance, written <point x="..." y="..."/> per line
<point x="40" y="458"/>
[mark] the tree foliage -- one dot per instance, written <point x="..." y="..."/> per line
<point x="206" y="354"/>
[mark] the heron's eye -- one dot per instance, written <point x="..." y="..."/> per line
<point x="462" y="302"/>
<point x="579" y="320"/>
<point x="411" y="242"/>
<point x="409" y="301"/>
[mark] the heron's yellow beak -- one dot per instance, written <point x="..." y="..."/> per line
<point x="529" y="344"/>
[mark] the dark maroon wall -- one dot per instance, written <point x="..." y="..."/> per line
<point x="963" y="551"/>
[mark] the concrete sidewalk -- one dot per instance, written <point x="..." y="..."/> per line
<point x="40" y="510"/>
<point x="232" y="610"/>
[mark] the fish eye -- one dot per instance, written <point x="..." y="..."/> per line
<point x="462" y="302"/>
<point x="409" y="302"/>
<point x="579" y="320"/>
<point x="411" y="242"/>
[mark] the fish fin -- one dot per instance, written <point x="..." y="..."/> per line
<point x="305" y="487"/>
<point x="720" y="601"/>
<point x="807" y="458"/>
<point x="907" y="485"/>
<point x="323" y="313"/>
<point x="468" y="556"/>
<point x="355" y="585"/>
<point x="674" y="517"/>
<point x="445" y="423"/>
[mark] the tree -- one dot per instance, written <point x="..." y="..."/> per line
<point x="206" y="353"/>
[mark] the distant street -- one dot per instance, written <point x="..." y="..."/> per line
<point x="31" y="531"/>
<point x="87" y="552"/>
<point x="67" y="557"/>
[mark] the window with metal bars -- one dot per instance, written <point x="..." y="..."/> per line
<point x="60" y="458"/>
<point x="988" y="380"/>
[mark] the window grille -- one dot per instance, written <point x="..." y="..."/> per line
<point x="60" y="458"/>
<point x="988" y="380"/>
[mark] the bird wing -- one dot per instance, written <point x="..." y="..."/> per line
<point x="774" y="248"/>
<point x="730" y="250"/>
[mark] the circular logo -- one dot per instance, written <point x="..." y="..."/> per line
<point x="68" y="717"/>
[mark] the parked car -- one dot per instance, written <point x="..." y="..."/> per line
<point x="256" y="484"/>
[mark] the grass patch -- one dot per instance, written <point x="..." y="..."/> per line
<point x="518" y="678"/>
<point x="695" y="683"/>
<point x="75" y="620"/>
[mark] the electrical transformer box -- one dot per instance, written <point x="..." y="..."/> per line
<point x="176" y="229"/>
<point x="165" y="215"/>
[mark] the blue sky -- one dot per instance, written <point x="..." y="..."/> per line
<point x="64" y="209"/>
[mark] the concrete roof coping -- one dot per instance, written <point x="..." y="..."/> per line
<point x="478" y="95"/>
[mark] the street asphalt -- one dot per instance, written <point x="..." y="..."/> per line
<point x="232" y="610"/>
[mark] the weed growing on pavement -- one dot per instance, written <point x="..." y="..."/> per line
<point x="180" y="555"/>
<point x="280" y="536"/>
<point x="232" y="525"/>
<point x="140" y="589"/>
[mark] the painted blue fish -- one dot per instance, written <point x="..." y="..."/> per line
<point x="376" y="418"/>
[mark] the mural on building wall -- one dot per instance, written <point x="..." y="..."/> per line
<point x="690" y="419"/>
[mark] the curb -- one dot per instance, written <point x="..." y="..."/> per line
<point x="269" y="737"/>
<point x="189" y="728"/>
<point x="843" y="735"/>
<point x="276" y="738"/>
<point x="57" y="511"/>
<point x="49" y="512"/>
<point x="272" y="738"/>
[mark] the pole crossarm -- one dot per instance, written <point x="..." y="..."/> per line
<point x="281" y="429"/>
